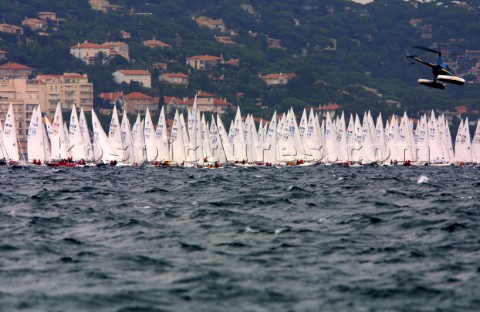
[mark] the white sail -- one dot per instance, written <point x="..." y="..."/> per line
<point x="86" y="140"/>
<point x="476" y="144"/>
<point x="58" y="142"/>
<point x="206" y="140"/>
<point x="150" y="138"/>
<point x="138" y="139"/>
<point x="177" y="145"/>
<point x="330" y="141"/>
<point x="422" y="138"/>
<point x="463" y="148"/>
<point x="405" y="139"/>
<point x="368" y="141"/>
<point x="127" y="140"/>
<point x="216" y="143"/>
<point x="269" y="146"/>
<point x="115" y="138"/>
<point x="434" y="141"/>
<point x="382" y="151"/>
<point x="76" y="145"/>
<point x="236" y="137"/>
<point x="101" y="145"/>
<point x="224" y="140"/>
<point x="36" y="148"/>
<point x="161" y="137"/>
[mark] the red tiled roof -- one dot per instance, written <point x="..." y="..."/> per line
<point x="134" y="72"/>
<point x="328" y="107"/>
<point x="11" y="65"/>
<point x="220" y="102"/>
<point x="36" y="20"/>
<point x="205" y="58"/>
<point x="203" y="94"/>
<point x="177" y="75"/>
<point x="87" y="45"/>
<point x="137" y="96"/>
<point x="232" y="62"/>
<point x="156" y="43"/>
<point x="277" y="76"/>
<point x="108" y="96"/>
<point x="169" y="99"/>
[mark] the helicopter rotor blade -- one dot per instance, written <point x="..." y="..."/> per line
<point x="426" y="49"/>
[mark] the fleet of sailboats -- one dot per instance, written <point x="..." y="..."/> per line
<point x="198" y="142"/>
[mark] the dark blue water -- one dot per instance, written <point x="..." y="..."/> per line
<point x="240" y="239"/>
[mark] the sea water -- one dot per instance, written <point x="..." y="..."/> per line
<point x="240" y="239"/>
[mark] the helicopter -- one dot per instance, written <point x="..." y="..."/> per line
<point x="441" y="71"/>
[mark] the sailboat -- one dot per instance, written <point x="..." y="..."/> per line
<point x="101" y="145"/>
<point x="138" y="139"/>
<point x="9" y="137"/>
<point x="115" y="138"/>
<point x="127" y="140"/>
<point x="76" y="146"/>
<point x="38" y="149"/>
<point x="57" y="138"/>
<point x="87" y="143"/>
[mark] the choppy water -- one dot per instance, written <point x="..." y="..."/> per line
<point x="240" y="239"/>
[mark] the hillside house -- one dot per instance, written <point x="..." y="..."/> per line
<point x="156" y="44"/>
<point x="211" y="24"/>
<point x="3" y="55"/>
<point x="204" y="62"/>
<point x="34" y="24"/>
<point x="175" y="78"/>
<point x="206" y="102"/>
<point x="129" y="75"/>
<point x="225" y="40"/>
<point x="160" y="66"/>
<point x="325" y="110"/>
<point x="15" y="71"/>
<point x="277" y="79"/>
<point x="138" y="102"/>
<point x="89" y="52"/>
<point x="68" y="89"/>
<point x="113" y="98"/>
<point x="11" y="29"/>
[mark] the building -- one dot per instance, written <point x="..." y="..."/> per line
<point x="175" y="78"/>
<point x="138" y="102"/>
<point x="66" y="89"/>
<point x="11" y="29"/>
<point x="112" y="97"/>
<point x="211" y="24"/>
<point x="90" y="53"/>
<point x="129" y="75"/>
<point x="325" y="110"/>
<point x="14" y="71"/>
<point x="3" y="55"/>
<point x="277" y="79"/>
<point x="160" y="66"/>
<point x="204" y="62"/>
<point x="117" y="48"/>
<point x="34" y="24"/>
<point x="206" y="102"/>
<point x="24" y="96"/>
<point x="225" y="40"/>
<point x="104" y="5"/>
<point x="45" y="91"/>
<point x="274" y="43"/>
<point x="44" y="15"/>
<point x="156" y="44"/>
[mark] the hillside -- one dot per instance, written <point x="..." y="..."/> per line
<point x="340" y="51"/>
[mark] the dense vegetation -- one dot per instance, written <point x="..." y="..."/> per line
<point x="367" y="70"/>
